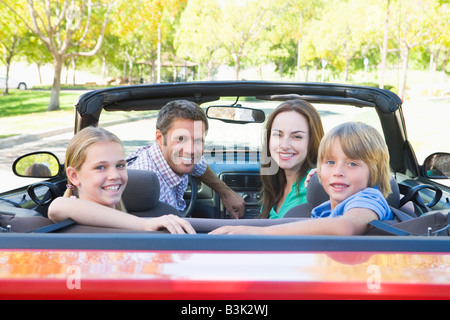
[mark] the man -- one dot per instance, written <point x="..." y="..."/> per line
<point x="181" y="127"/>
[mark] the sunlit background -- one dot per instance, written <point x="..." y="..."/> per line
<point x="400" y="45"/>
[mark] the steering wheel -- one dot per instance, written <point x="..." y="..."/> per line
<point x="187" y="212"/>
<point x="413" y="195"/>
<point x="49" y="196"/>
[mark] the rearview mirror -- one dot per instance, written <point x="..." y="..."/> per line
<point x="437" y="166"/>
<point x="37" y="165"/>
<point x="235" y="114"/>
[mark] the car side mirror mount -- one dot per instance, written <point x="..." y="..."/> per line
<point x="40" y="164"/>
<point x="437" y="166"/>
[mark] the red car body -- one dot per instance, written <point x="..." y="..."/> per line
<point x="181" y="275"/>
<point x="125" y="265"/>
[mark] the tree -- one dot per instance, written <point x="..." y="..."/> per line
<point x="344" y="32"/>
<point x="227" y="31"/>
<point x="241" y="26"/>
<point x="11" y="34"/>
<point x="34" y="51"/>
<point x="144" y="34"/>
<point x="384" y="47"/>
<point x="288" y="31"/>
<point x="438" y="51"/>
<point x="194" y="39"/>
<point x="417" y="23"/>
<point x="62" y="26"/>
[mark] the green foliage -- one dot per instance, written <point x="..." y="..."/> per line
<point x="293" y="35"/>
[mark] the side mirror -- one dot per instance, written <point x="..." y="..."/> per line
<point x="437" y="166"/>
<point x="37" y="165"/>
<point x="235" y="114"/>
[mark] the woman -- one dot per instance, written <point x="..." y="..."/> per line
<point x="292" y="136"/>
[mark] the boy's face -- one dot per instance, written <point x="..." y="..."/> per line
<point x="341" y="176"/>
<point x="182" y="146"/>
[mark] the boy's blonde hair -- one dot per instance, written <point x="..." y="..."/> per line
<point x="76" y="153"/>
<point x="360" y="141"/>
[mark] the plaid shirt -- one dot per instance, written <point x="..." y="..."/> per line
<point x="172" y="186"/>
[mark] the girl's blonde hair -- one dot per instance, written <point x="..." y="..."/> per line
<point x="360" y="141"/>
<point x="76" y="153"/>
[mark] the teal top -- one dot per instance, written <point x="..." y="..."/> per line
<point x="295" y="197"/>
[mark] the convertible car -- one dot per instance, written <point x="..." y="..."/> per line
<point x="407" y="258"/>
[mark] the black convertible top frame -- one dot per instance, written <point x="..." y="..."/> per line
<point x="156" y="95"/>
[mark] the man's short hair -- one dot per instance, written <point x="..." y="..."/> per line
<point x="179" y="109"/>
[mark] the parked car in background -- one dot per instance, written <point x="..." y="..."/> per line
<point x="41" y="259"/>
<point x="13" y="83"/>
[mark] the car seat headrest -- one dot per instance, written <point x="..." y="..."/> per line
<point x="315" y="193"/>
<point x="142" y="191"/>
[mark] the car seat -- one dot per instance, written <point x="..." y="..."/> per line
<point x="141" y="196"/>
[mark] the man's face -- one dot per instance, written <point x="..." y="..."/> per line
<point x="183" y="144"/>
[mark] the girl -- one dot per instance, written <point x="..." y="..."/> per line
<point x="353" y="166"/>
<point x="96" y="178"/>
<point x="292" y="135"/>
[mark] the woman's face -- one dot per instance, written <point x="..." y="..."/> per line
<point x="103" y="176"/>
<point x="289" y="140"/>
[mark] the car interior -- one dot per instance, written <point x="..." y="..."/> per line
<point x="238" y="165"/>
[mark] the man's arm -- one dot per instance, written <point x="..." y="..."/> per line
<point x="233" y="203"/>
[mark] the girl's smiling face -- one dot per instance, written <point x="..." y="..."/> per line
<point x="103" y="176"/>
<point x="341" y="176"/>
<point x="289" y="139"/>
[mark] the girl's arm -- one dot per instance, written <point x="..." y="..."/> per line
<point x="94" y="214"/>
<point x="353" y="222"/>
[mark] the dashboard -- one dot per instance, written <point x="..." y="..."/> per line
<point x="239" y="170"/>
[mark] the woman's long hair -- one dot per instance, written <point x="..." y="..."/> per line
<point x="274" y="184"/>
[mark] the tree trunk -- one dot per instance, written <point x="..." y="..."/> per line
<point x="56" y="87"/>
<point x="237" y="68"/>
<point x="405" y="58"/>
<point x="6" y="92"/>
<point x="384" y="48"/>
<point x="347" y="62"/>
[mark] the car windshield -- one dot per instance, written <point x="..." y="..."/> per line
<point x="231" y="136"/>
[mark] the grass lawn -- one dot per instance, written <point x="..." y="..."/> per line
<point x="20" y="102"/>
<point x="26" y="111"/>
